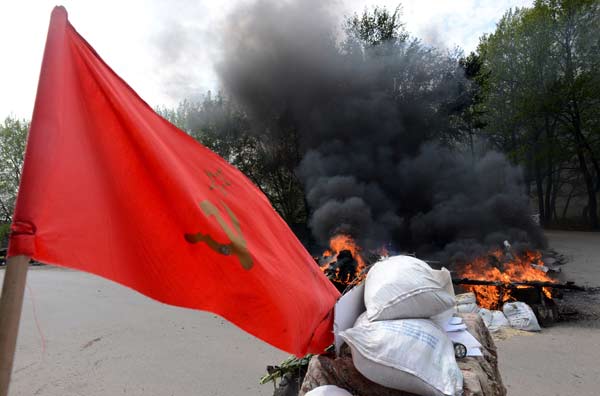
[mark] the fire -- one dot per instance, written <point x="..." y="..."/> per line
<point x="509" y="268"/>
<point x="337" y="244"/>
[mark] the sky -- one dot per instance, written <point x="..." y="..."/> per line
<point x="166" y="49"/>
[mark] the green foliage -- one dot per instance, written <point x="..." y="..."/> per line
<point x="13" y="136"/>
<point x="376" y="27"/>
<point x="4" y="233"/>
<point x="291" y="365"/>
<point x="540" y="96"/>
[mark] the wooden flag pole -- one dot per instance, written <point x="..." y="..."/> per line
<point x="10" y="314"/>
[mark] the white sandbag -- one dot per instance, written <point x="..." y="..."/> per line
<point x="467" y="308"/>
<point x="443" y="318"/>
<point x="494" y="320"/>
<point x="328" y="390"/>
<point x="466" y="303"/>
<point x="499" y="321"/>
<point x="487" y="316"/>
<point x="412" y="355"/>
<point x="521" y="316"/>
<point x="465" y="298"/>
<point x="402" y="287"/>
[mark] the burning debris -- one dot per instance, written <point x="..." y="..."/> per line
<point x="342" y="262"/>
<point x="506" y="269"/>
<point x="503" y="276"/>
<point x="345" y="263"/>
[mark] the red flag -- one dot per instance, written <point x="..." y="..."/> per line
<point x="111" y="188"/>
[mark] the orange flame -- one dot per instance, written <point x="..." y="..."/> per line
<point x="336" y="245"/>
<point x="514" y="269"/>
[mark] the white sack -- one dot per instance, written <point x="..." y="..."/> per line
<point x="486" y="315"/>
<point x="412" y="355"/>
<point x="494" y="320"/>
<point x="443" y="318"/>
<point x="465" y="298"/>
<point x="521" y="316"/>
<point x="499" y="320"/>
<point x="467" y="308"/>
<point x="402" y="287"/>
<point x="328" y="390"/>
<point x="466" y="303"/>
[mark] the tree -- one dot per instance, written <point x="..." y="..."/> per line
<point x="13" y="135"/>
<point x="576" y="24"/>
<point x="415" y="76"/>
<point x="539" y="99"/>
<point x="470" y="118"/>
<point x="375" y="28"/>
<point x="529" y="79"/>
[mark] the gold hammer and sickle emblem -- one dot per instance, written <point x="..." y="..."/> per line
<point x="237" y="245"/>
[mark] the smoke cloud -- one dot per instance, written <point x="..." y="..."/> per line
<point x="376" y="130"/>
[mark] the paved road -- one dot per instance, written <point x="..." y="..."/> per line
<point x="583" y="251"/>
<point x="104" y="339"/>
<point x="562" y="360"/>
<point x="98" y="338"/>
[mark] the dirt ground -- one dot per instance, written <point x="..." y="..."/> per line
<point x="82" y="335"/>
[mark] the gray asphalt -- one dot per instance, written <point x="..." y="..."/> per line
<point x="563" y="360"/>
<point x="83" y="335"/>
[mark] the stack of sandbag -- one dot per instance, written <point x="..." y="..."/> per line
<point x="395" y="343"/>
<point x="516" y="314"/>
<point x="481" y="376"/>
<point x="466" y="303"/>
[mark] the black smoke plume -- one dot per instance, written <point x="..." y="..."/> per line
<point x="377" y="124"/>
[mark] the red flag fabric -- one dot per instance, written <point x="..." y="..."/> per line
<point x="111" y="188"/>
